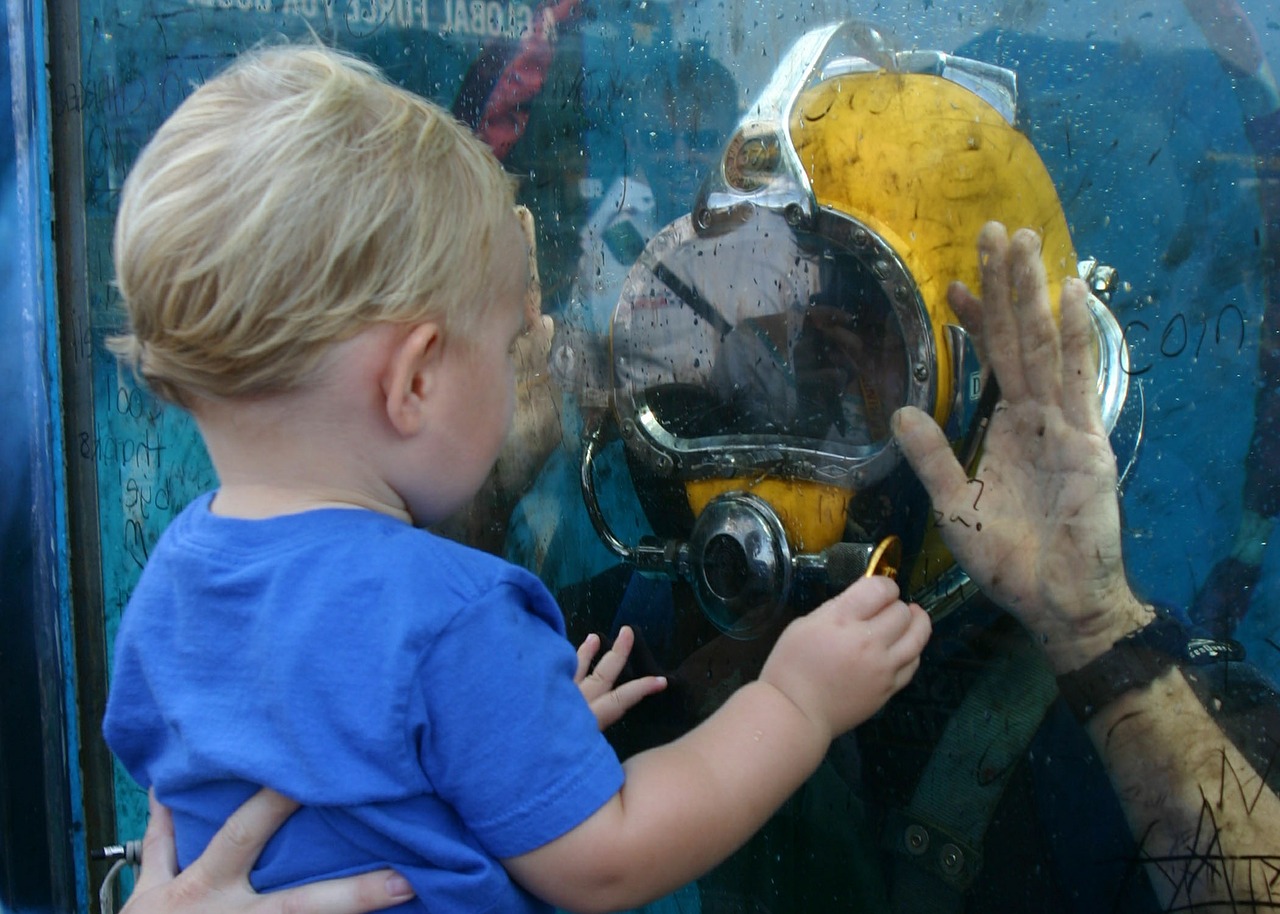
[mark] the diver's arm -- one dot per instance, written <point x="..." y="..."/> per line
<point x="1207" y="824"/>
<point x="1038" y="529"/>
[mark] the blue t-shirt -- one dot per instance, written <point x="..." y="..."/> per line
<point x="415" y="695"/>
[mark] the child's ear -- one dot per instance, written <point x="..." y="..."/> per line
<point x="409" y="378"/>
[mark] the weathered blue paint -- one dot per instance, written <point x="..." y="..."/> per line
<point x="43" y="857"/>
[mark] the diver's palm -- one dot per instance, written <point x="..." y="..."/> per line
<point x="1037" y="528"/>
<point x="1036" y="524"/>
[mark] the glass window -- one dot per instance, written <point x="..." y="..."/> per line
<point x="747" y="215"/>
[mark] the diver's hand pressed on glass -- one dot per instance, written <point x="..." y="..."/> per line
<point x="1038" y="527"/>
<point x="535" y="430"/>
<point x="218" y="881"/>
<point x="609" y="704"/>
<point x="535" y="427"/>
<point x="840" y="663"/>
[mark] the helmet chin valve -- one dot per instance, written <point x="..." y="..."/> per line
<point x="742" y="569"/>
<point x="740" y="565"/>
<point x="737" y="559"/>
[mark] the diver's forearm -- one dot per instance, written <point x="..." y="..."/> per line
<point x="1206" y="823"/>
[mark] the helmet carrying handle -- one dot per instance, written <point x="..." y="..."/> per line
<point x="667" y="559"/>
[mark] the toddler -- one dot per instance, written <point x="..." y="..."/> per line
<point x="329" y="273"/>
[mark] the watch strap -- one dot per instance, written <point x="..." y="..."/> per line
<point x="1137" y="660"/>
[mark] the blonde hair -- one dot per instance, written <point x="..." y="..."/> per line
<point x="289" y="203"/>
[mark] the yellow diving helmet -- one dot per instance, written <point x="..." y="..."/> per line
<point x="761" y="343"/>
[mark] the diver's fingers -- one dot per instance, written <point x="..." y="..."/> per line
<point x="1080" y="403"/>
<point x="931" y="457"/>
<point x="968" y="307"/>
<point x="533" y="347"/>
<point x="1037" y="330"/>
<point x="999" y="327"/>
<point x="533" y="302"/>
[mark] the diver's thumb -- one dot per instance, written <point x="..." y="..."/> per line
<point x="928" y="452"/>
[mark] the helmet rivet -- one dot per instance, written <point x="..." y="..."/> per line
<point x="860" y="237"/>
<point x="917" y="839"/>
<point x="880" y="269"/>
<point x="794" y="214"/>
<point x="951" y="859"/>
<point x="921" y="373"/>
<point x="900" y="293"/>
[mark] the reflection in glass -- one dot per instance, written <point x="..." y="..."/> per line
<point x="764" y="332"/>
<point x="769" y="334"/>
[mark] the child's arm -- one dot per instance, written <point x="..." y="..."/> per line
<point x="687" y="805"/>
<point x="607" y="703"/>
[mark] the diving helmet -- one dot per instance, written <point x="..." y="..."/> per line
<point x="762" y="341"/>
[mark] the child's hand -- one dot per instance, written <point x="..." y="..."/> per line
<point x="607" y="703"/>
<point x="840" y="663"/>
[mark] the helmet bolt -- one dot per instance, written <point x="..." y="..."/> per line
<point x="951" y="859"/>
<point x="917" y="839"/>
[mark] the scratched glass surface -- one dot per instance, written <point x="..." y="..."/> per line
<point x="1151" y="119"/>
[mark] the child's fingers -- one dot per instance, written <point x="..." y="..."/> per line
<point x="905" y="673"/>
<point x="614" y="659"/>
<point x="902" y="630"/>
<point x="587" y="651"/>
<point x="891" y="624"/>
<point x="906" y="649"/>
<point x="865" y="598"/>
<point x="610" y="707"/>
<point x="909" y="648"/>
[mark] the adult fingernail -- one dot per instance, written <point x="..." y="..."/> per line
<point x="398" y="887"/>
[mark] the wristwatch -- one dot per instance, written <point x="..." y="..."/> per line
<point x="1137" y="660"/>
